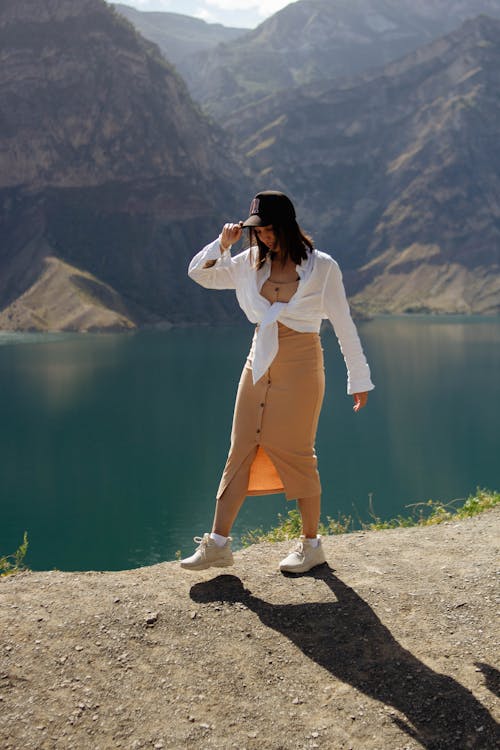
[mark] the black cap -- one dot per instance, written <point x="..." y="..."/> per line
<point x="270" y="207"/>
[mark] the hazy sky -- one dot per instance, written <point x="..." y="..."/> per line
<point x="245" y="13"/>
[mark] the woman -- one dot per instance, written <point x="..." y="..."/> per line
<point x="285" y="287"/>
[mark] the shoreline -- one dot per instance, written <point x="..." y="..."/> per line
<point x="164" y="326"/>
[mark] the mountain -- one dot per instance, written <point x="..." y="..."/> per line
<point x="110" y="177"/>
<point x="314" y="40"/>
<point x="397" y="172"/>
<point x="178" y="36"/>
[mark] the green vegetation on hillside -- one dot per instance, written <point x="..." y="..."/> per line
<point x="426" y="514"/>
<point x="14" y="563"/>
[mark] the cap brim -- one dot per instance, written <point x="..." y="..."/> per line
<point x="256" y="221"/>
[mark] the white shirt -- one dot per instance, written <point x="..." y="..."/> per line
<point x="320" y="294"/>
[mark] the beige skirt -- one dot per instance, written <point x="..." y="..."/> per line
<point x="275" y="421"/>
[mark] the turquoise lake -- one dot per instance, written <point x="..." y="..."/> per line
<point x="112" y="445"/>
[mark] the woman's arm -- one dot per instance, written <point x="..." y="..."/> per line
<point x="360" y="400"/>
<point x="336" y="307"/>
<point x="213" y="267"/>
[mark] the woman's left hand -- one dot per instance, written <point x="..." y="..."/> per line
<point x="360" y="400"/>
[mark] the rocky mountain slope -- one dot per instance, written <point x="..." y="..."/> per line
<point x="109" y="175"/>
<point x="312" y="40"/>
<point x="179" y="37"/>
<point x="396" y="172"/>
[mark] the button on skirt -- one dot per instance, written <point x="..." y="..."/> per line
<point x="275" y="422"/>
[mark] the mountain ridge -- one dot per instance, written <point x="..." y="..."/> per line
<point x="313" y="40"/>
<point x="400" y="167"/>
<point x="107" y="165"/>
<point x="111" y="177"/>
<point x="178" y="36"/>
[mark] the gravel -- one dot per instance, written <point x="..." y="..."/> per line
<point x="393" y="647"/>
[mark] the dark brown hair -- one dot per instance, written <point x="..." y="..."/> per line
<point x="293" y="242"/>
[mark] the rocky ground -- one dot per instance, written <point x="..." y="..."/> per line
<point x="393" y="647"/>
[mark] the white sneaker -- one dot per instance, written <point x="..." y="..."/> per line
<point x="208" y="554"/>
<point x="303" y="557"/>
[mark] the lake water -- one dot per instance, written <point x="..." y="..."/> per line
<point x="112" y="446"/>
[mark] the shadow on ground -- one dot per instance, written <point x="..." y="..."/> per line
<point x="347" y="638"/>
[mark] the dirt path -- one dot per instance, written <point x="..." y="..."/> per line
<point x="392" y="648"/>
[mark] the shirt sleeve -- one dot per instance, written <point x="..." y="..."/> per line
<point x="336" y="308"/>
<point x="213" y="269"/>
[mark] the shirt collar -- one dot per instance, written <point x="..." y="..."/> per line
<point x="306" y="265"/>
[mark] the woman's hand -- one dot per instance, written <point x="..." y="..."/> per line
<point x="360" y="400"/>
<point x="230" y="234"/>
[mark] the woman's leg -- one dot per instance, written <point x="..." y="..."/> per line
<point x="231" y="500"/>
<point x="210" y="552"/>
<point x="227" y="508"/>
<point x="310" y="510"/>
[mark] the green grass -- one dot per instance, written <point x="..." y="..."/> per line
<point x="424" y="514"/>
<point x="10" y="564"/>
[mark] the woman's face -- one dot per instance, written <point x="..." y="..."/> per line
<point x="267" y="235"/>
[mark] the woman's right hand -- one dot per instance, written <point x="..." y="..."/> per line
<point x="230" y="234"/>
